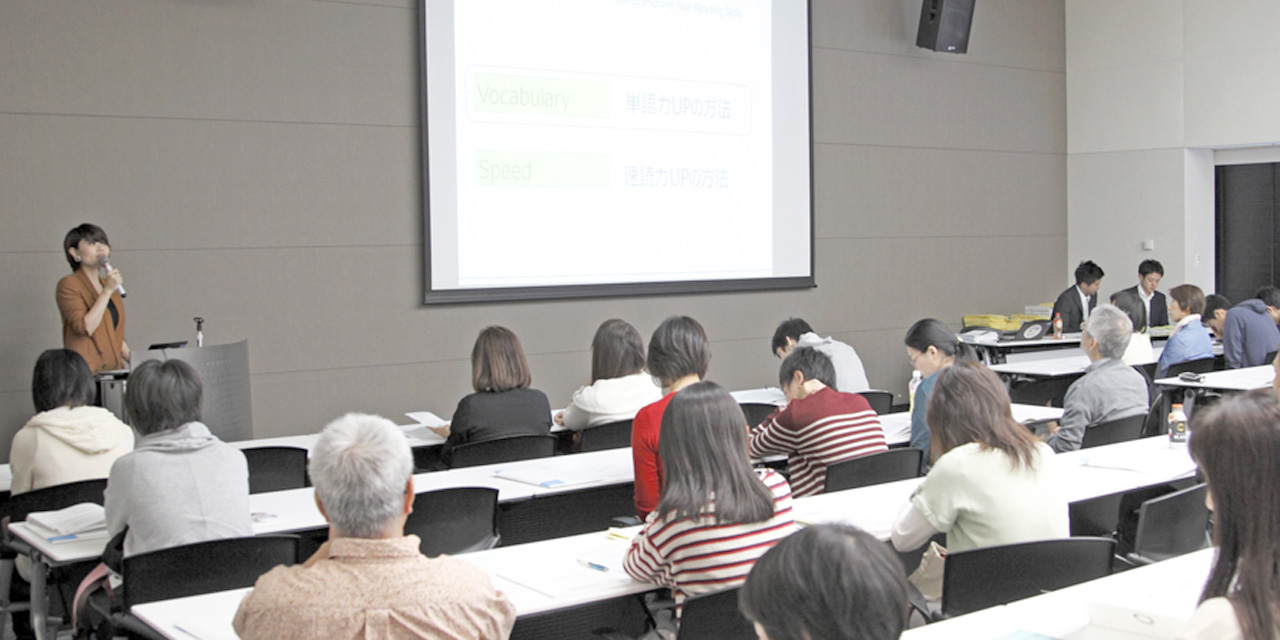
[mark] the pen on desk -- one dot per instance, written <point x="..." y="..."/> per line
<point x="591" y="565"/>
<point x="616" y="534"/>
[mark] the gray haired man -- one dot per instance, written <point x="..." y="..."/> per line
<point x="1109" y="389"/>
<point x="369" y="580"/>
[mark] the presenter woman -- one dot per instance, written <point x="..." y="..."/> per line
<point x="90" y="302"/>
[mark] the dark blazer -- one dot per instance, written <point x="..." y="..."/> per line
<point x="494" y="414"/>
<point x="1068" y="305"/>
<point x="1159" y="308"/>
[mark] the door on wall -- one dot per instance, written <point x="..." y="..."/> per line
<point x="1247" y="246"/>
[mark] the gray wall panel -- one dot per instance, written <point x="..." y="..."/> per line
<point x="272" y="61"/>
<point x="225" y="199"/>
<point x="1007" y="33"/>
<point x="870" y="191"/>
<point x="898" y="101"/>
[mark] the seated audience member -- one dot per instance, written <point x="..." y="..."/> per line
<point x="1189" y="341"/>
<point x="1215" y="313"/>
<point x="619" y="384"/>
<point x="1108" y="390"/>
<point x="830" y="581"/>
<point x="69" y="439"/>
<point x="679" y="355"/>
<point x="931" y="347"/>
<point x="850" y="376"/>
<point x="370" y="580"/>
<point x="1249" y="331"/>
<point x="819" y="426"/>
<point x="1236" y="443"/>
<point x="1150" y="273"/>
<point x="692" y="543"/>
<point x="1077" y="302"/>
<point x="180" y="484"/>
<point x="503" y="404"/>
<point x="991" y="481"/>
<point x="1139" y="351"/>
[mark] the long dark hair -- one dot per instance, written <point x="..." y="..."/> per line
<point x="1237" y="444"/>
<point x="616" y="351"/>
<point x="933" y="333"/>
<point x="703" y="446"/>
<point x="834" y="582"/>
<point x="970" y="404"/>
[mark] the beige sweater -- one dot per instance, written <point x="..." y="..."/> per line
<point x="67" y="445"/>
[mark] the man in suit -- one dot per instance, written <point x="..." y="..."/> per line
<point x="1077" y="302"/>
<point x="1149" y="274"/>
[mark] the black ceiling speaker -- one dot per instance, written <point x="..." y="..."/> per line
<point x="944" y="25"/>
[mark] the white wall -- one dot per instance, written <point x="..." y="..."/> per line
<point x="1153" y="87"/>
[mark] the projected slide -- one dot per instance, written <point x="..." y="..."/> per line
<point x="601" y="147"/>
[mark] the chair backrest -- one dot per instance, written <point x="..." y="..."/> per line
<point x="876" y="468"/>
<point x="1271" y="357"/>
<point x="1120" y="430"/>
<point x="714" y="616"/>
<point x="453" y="521"/>
<point x="1171" y="525"/>
<point x="981" y="578"/>
<point x="881" y="401"/>
<point x="204" y="567"/>
<point x="54" y="498"/>
<point x="756" y="412"/>
<point x="276" y="468"/>
<point x="508" y="449"/>
<point x="614" y="435"/>
<point x="1203" y="365"/>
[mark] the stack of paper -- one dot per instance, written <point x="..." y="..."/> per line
<point x="76" y="522"/>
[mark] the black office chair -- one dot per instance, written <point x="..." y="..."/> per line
<point x="990" y="576"/>
<point x="453" y="521"/>
<point x="876" y="468"/>
<point x="1203" y="365"/>
<point x="1041" y="393"/>
<point x="276" y="468"/>
<point x="498" y="450"/>
<point x="714" y="616"/>
<point x="194" y="569"/>
<point x="1171" y="525"/>
<point x="881" y="401"/>
<point x="46" y="499"/>
<point x="614" y="435"/>
<point x="756" y="412"/>
<point x="1271" y="357"/>
<point x="1119" y="430"/>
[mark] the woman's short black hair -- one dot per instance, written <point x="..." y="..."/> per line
<point x="1131" y="304"/>
<point x="162" y="395"/>
<point x="61" y="379"/>
<point x="678" y="348"/>
<point x="834" y="582"/>
<point x="86" y="231"/>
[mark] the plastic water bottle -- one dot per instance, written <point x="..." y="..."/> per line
<point x="1177" y="426"/>
<point x="916" y="379"/>
<point x="1057" y="326"/>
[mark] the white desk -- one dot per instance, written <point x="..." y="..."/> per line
<point x="417" y="435"/>
<point x="1245" y="379"/>
<point x="897" y="426"/>
<point x="872" y="508"/>
<point x="1170" y="588"/>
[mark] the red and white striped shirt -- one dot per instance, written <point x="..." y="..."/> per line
<point x="821" y="429"/>
<point x="693" y="556"/>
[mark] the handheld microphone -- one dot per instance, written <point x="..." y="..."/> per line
<point x="106" y="264"/>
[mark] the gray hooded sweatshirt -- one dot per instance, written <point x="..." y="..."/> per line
<point x="178" y="487"/>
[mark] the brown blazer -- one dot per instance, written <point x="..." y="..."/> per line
<point x="102" y="349"/>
